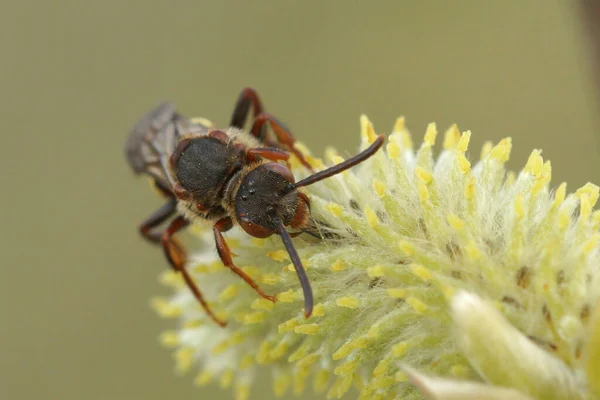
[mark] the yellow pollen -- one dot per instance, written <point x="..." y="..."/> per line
<point x="596" y="220"/>
<point x="254" y="318"/>
<point x="382" y="382"/>
<point x="287" y="326"/>
<point x="342" y="385"/>
<point x="519" y="207"/>
<point x="226" y="378"/>
<point x="164" y="308"/>
<point x="423" y="175"/>
<point x="400" y="376"/>
<point x="221" y="347"/>
<point x="337" y="159"/>
<point x="171" y="278"/>
<point x="316" y="163"/>
<point x="464" y="165"/>
<point x="397" y="293"/>
<point x="421" y="272"/>
<point x="346" y="368"/>
<point x="183" y="359"/>
<point x="318" y="310"/>
<point x="193" y="323"/>
<point x="288" y="296"/>
<point x="379" y="188"/>
<point x="348" y="302"/>
<point x="407" y="248"/>
<point x="463" y="143"/>
<point x="229" y="292"/>
<point x="423" y="192"/>
<point x="242" y="392"/>
<point x="262" y="304"/>
<point x="486" y="149"/>
<point x="400" y="124"/>
<point x="406" y="140"/>
<point x="299" y="380"/>
<point x="399" y="349"/>
<point x="204" y="378"/>
<point x="345" y="349"/>
<point x="534" y="163"/>
<point x="560" y="194"/>
<point x="270" y="279"/>
<point x="338" y="265"/>
<point x="376" y="271"/>
<point x="307" y="329"/>
<point x="320" y="381"/>
<point x="300" y="353"/>
<point x="169" y="339"/>
<point x="278" y="351"/>
<point x="393" y="151"/>
<point x="264" y="350"/>
<point x="281" y="383"/>
<point x="247" y="361"/>
<point x="564" y="219"/>
<point x="585" y="208"/>
<point x="451" y="137"/>
<point x="430" y="134"/>
<point x="455" y="222"/>
<point x="591" y="190"/>
<point x="308" y="360"/>
<point x="258" y="242"/>
<point x="591" y="243"/>
<point x="381" y="368"/>
<point x="417" y="305"/>
<point x="501" y="151"/>
<point x="470" y="188"/>
<point x="334" y="209"/>
<point x="278" y="255"/>
<point x="372" y="219"/>
<point x="510" y="179"/>
<point x="366" y="129"/>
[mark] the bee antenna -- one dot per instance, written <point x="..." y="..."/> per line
<point x="349" y="163"/>
<point x="289" y="246"/>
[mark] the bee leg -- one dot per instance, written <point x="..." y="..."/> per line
<point x="223" y="225"/>
<point x="177" y="258"/>
<point x="155" y="219"/>
<point x="248" y="97"/>
<point x="270" y="153"/>
<point x="284" y="136"/>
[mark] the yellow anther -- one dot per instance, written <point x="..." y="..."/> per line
<point x="348" y="302"/>
<point x="220" y="347"/>
<point x="337" y="159"/>
<point x="486" y="149"/>
<point x="334" y="209"/>
<point x="307" y="329"/>
<point x="455" y="222"/>
<point x="242" y="391"/>
<point x="407" y="248"/>
<point x="406" y="140"/>
<point x="226" y="378"/>
<point x="397" y="293"/>
<point x="318" y="310"/>
<point x="254" y="318"/>
<point x="247" y="361"/>
<point x="382" y="382"/>
<point x="288" y="296"/>
<point x="299" y="353"/>
<point x="164" y="308"/>
<point x="366" y="129"/>
<point x="183" y="359"/>
<point x="421" y="272"/>
<point x="169" y="339"/>
<point x="308" y="360"/>
<point x="299" y="380"/>
<point x="472" y="251"/>
<point x="591" y="243"/>
<point x="345" y="349"/>
<point x="459" y="370"/>
<point x="193" y="323"/>
<point x="204" y="378"/>
<point x="534" y="162"/>
<point x="291" y="268"/>
<point x="229" y="292"/>
<point x="400" y="124"/>
<point x="316" y="163"/>
<point x="321" y="380"/>
<point x="564" y="219"/>
<point x="338" y="265"/>
<point x="346" y="368"/>
<point x="288" y="326"/>
<point x="262" y="304"/>
<point x="381" y="368"/>
<point x="270" y="279"/>
<point x="372" y="219"/>
<point x="302" y="148"/>
<point x="519" y="207"/>
<point x="264" y="351"/>
<point x="423" y="192"/>
<point x="340" y="387"/>
<point x="376" y="271"/>
<point x="423" y="175"/>
<point x="501" y="151"/>
<point x="463" y="143"/>
<point x="379" y="188"/>
<point x="560" y="194"/>
<point x="281" y="383"/>
<point x="596" y="220"/>
<point x="585" y="208"/>
<point x="330" y="152"/>
<point x="171" y="278"/>
<point x="464" y="165"/>
<point x="400" y="376"/>
<point x="260" y="243"/>
<point x="451" y="137"/>
<point x="417" y="305"/>
<point x="393" y="150"/>
<point x="278" y="351"/>
<point x="430" y="134"/>
<point x="399" y="349"/>
<point x="278" y="255"/>
<point x="253" y="272"/>
<point x="470" y="188"/>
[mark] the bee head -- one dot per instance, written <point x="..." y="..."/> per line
<point x="267" y="191"/>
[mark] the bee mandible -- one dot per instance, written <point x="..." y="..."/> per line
<point x="230" y="177"/>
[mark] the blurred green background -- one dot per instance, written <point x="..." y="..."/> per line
<point x="76" y="277"/>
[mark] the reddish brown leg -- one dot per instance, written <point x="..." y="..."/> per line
<point x="248" y="97"/>
<point x="177" y="258"/>
<point x="155" y="219"/>
<point x="223" y="225"/>
<point x="269" y="153"/>
<point x="284" y="136"/>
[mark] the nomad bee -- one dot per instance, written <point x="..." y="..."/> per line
<point x="229" y="177"/>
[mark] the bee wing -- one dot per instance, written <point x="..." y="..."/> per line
<point x="154" y="138"/>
